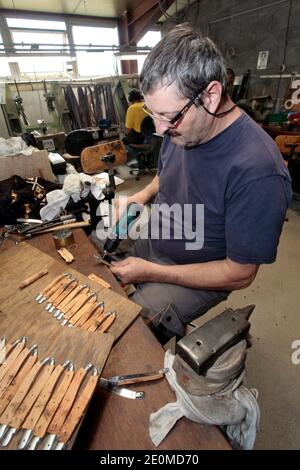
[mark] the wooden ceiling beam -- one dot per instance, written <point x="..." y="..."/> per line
<point x="139" y="20"/>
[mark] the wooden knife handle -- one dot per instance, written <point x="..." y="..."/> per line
<point x="70" y="300"/>
<point x="32" y="394"/>
<point x="54" y="402"/>
<point x="93" y="322"/>
<point x="20" y="394"/>
<point x="67" y="402"/>
<point x="11" y="359"/>
<point x="107" y="323"/>
<point x="89" y="306"/>
<point x="14" y="386"/>
<point x="65" y="293"/>
<point x="80" y="302"/>
<point x="94" y="311"/>
<point x="40" y="404"/>
<point x="33" y="278"/>
<point x="13" y="370"/>
<point x="50" y="286"/>
<point x="78" y="409"/>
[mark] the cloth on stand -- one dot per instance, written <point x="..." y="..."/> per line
<point x="76" y="186"/>
<point x="218" y="398"/>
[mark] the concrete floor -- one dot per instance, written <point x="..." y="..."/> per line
<point x="275" y="324"/>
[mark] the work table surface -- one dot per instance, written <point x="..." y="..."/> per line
<point x="113" y="422"/>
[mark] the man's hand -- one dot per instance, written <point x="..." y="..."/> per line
<point x="133" y="269"/>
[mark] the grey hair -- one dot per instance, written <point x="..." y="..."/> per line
<point x="186" y="58"/>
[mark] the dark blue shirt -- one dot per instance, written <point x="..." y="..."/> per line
<point x="241" y="179"/>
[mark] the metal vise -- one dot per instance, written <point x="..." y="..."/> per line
<point x="200" y="348"/>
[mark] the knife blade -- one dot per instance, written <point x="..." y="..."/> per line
<point x="123" y="392"/>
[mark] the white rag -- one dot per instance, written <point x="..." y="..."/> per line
<point x="77" y="186"/>
<point x="235" y="407"/>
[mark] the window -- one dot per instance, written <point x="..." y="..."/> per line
<point x="95" y="63"/>
<point x="150" y="39"/>
<point x="4" y="66"/>
<point x="36" y="37"/>
<point x="35" y="24"/>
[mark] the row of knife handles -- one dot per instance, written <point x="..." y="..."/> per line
<point x="40" y="402"/>
<point x="74" y="305"/>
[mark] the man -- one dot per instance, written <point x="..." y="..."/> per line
<point x="230" y="80"/>
<point x="214" y="155"/>
<point x="134" y="117"/>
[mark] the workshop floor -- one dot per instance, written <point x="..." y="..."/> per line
<point x="275" y="324"/>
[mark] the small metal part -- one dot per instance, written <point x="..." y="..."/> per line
<point x="8" y="436"/>
<point x="34" y="443"/>
<point x="25" y="439"/>
<point x="49" y="442"/>
<point x="121" y="391"/>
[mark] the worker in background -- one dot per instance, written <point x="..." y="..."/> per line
<point x="230" y="80"/>
<point x="134" y="117"/>
<point x="214" y="158"/>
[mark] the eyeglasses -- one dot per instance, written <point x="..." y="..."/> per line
<point x="177" y="117"/>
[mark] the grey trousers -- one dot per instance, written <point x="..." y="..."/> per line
<point x="169" y="307"/>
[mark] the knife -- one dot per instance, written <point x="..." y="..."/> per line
<point x="123" y="392"/>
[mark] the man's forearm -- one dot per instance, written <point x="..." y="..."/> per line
<point x="144" y="196"/>
<point x="213" y="275"/>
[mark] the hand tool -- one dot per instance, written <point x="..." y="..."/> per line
<point x="120" y="231"/>
<point x="15" y="384"/>
<point x="51" y="408"/>
<point x="14" y="368"/>
<point x="95" y="319"/>
<point x="81" y="302"/>
<point x="33" y="278"/>
<point x="67" y="301"/>
<point x="94" y="309"/>
<point x="65" y="406"/>
<point x="66" y="291"/>
<point x="90" y="304"/>
<point x="123" y="392"/>
<point x="11" y="355"/>
<point x="20" y="395"/>
<point x="40" y="404"/>
<point x="29" y="221"/>
<point x="61" y="287"/>
<point x="48" y="224"/>
<point x="69" y="223"/>
<point x="137" y="378"/>
<point x="202" y="346"/>
<point x="45" y="291"/>
<point x="105" y="322"/>
<point x="16" y="417"/>
<point x="102" y="261"/>
<point x="77" y="411"/>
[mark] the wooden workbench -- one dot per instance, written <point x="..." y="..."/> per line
<point x="123" y="423"/>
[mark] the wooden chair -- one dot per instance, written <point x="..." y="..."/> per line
<point x="289" y="145"/>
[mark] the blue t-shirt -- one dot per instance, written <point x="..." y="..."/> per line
<point x="242" y="181"/>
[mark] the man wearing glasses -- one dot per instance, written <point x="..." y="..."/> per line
<point x="214" y="156"/>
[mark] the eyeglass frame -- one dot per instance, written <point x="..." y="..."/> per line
<point x="178" y="116"/>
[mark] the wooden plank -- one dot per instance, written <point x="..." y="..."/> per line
<point x="23" y="260"/>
